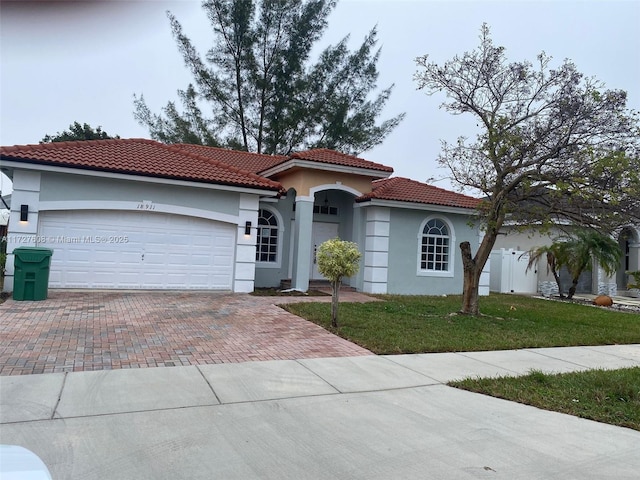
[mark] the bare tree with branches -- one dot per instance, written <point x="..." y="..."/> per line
<point x="554" y="146"/>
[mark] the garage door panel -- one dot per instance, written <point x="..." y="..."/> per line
<point x="180" y="240"/>
<point x="106" y="258"/>
<point x="177" y="260"/>
<point x="56" y="231"/>
<point x="219" y="278"/>
<point x="222" y="252"/>
<point x="71" y="254"/>
<point x="153" y="259"/>
<point x="175" y="281"/>
<point x="221" y="261"/>
<point x="201" y="240"/>
<point x="130" y="259"/>
<point x="55" y="277"/>
<point x="78" y="278"/>
<point x="156" y="238"/>
<point x="200" y="261"/>
<point x="127" y="280"/>
<point x="151" y="280"/>
<point x="138" y="250"/>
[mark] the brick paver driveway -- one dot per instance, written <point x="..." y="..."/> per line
<point x="76" y="331"/>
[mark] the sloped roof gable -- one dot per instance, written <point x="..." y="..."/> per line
<point x="252" y="162"/>
<point x="137" y="157"/>
<point x="324" y="155"/>
<point x="402" y="189"/>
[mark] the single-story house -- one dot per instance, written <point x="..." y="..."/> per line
<point x="516" y="244"/>
<point x="139" y="214"/>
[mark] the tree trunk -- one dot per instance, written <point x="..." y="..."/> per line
<point x="470" y="293"/>
<point x="574" y="287"/>
<point x="472" y="266"/>
<point x="335" y="287"/>
<point x="552" y="264"/>
<point x="557" y="277"/>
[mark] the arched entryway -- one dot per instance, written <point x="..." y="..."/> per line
<point x="333" y="216"/>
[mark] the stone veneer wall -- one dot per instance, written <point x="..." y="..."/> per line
<point x="549" y="288"/>
<point x="610" y="289"/>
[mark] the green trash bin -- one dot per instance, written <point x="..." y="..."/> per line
<point x="31" y="273"/>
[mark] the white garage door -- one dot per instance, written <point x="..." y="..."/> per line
<point x="114" y="249"/>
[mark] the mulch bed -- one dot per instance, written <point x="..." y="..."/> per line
<point x="580" y="301"/>
<point x="274" y="292"/>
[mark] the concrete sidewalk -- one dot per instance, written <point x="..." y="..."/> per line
<point x="331" y="418"/>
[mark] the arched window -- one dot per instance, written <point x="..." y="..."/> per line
<point x="267" y="241"/>
<point x="435" y="247"/>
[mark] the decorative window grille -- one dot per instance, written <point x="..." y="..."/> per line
<point x="267" y="242"/>
<point x="435" y="247"/>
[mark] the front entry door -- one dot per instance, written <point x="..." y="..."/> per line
<point x="320" y="233"/>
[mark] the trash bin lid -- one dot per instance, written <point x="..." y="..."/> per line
<point x="32" y="254"/>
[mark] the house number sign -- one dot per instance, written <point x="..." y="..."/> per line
<point x="146" y="205"/>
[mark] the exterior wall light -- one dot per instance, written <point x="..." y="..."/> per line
<point x="247" y="228"/>
<point x="24" y="213"/>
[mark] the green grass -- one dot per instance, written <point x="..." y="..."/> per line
<point x="608" y="396"/>
<point x="419" y="324"/>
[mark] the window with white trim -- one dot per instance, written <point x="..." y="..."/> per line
<point x="435" y="247"/>
<point x="267" y="240"/>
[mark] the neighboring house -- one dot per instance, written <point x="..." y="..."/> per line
<point x="595" y="281"/>
<point x="5" y="205"/>
<point x="4" y="222"/>
<point x="629" y="241"/>
<point x="138" y="214"/>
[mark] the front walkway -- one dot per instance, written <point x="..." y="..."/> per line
<point x="78" y="331"/>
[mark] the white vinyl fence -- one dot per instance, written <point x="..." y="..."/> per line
<point x="508" y="272"/>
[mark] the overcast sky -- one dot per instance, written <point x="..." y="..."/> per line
<point x="83" y="61"/>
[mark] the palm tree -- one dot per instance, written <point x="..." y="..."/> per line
<point x="578" y="252"/>
<point x="554" y="261"/>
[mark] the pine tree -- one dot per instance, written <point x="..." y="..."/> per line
<point x="261" y="90"/>
<point x="78" y="132"/>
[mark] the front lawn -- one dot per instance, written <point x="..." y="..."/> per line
<point x="420" y="324"/>
<point x="609" y="396"/>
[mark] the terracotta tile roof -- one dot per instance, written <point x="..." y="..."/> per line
<point x="324" y="155"/>
<point x="138" y="157"/>
<point x="252" y="162"/>
<point x="406" y="190"/>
